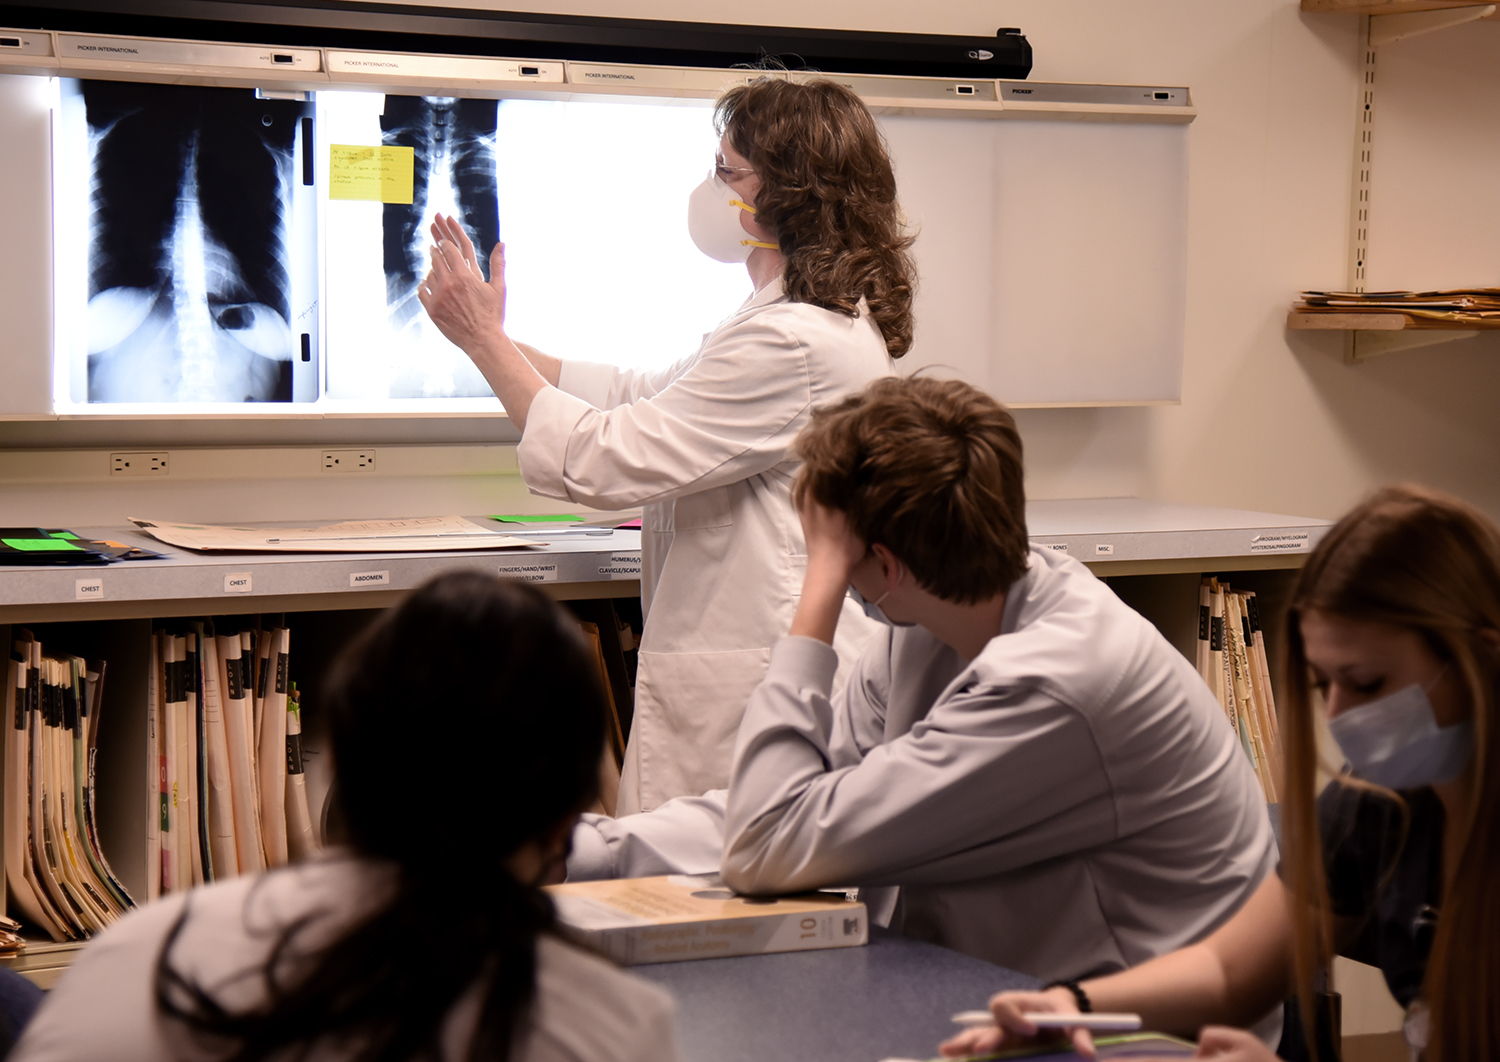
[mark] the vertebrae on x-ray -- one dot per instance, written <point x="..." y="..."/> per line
<point x="175" y="315"/>
<point x="453" y="141"/>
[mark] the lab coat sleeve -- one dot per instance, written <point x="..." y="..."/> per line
<point x="606" y="386"/>
<point x="682" y="836"/>
<point x="730" y="415"/>
<point x="989" y="780"/>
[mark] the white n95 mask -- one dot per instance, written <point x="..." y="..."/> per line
<point x="873" y="609"/>
<point x="1395" y="741"/>
<point x="714" y="211"/>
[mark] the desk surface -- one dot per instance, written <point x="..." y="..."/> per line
<point x="892" y="998"/>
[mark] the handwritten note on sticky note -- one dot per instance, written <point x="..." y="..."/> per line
<point x="374" y="174"/>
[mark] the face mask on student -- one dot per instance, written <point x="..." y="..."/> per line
<point x="873" y="609"/>
<point x="1395" y="741"/>
<point x="714" y="222"/>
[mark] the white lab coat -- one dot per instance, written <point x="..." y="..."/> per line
<point x="702" y="447"/>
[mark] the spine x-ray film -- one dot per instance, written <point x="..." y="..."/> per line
<point x="202" y="244"/>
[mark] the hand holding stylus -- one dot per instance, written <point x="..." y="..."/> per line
<point x="1013" y="1017"/>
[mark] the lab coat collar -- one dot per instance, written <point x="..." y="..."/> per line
<point x="774" y="291"/>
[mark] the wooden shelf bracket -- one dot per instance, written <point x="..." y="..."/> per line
<point x="1363" y="344"/>
<point x="1386" y="29"/>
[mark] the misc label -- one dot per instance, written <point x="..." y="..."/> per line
<point x="238" y="582"/>
<point x="621" y="566"/>
<point x="528" y="573"/>
<point x="1280" y="542"/>
<point x="1104" y="549"/>
<point x="91" y="589"/>
<point x="369" y="578"/>
<point x="1055" y="547"/>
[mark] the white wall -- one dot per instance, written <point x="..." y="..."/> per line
<point x="1269" y="420"/>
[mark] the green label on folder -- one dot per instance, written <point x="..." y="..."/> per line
<point x="40" y="545"/>
<point x="539" y="518"/>
<point x="67" y="536"/>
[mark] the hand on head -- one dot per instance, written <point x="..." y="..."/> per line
<point x="454" y="293"/>
<point x="832" y="546"/>
<point x="1011" y="1029"/>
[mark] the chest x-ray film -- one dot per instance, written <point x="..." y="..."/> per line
<point x="590" y="199"/>
<point x="187" y="245"/>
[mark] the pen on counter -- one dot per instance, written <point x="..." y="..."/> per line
<point x="1096" y="1022"/>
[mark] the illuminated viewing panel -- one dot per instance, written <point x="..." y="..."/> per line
<point x="187" y="251"/>
<point x="215" y="249"/>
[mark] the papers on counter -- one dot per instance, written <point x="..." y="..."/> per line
<point x="424" y="534"/>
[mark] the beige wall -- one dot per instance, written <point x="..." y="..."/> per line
<point x="1268" y="420"/>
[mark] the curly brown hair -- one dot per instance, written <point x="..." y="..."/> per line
<point x="828" y="192"/>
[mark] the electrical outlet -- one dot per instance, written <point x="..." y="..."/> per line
<point x="143" y="463"/>
<point x="348" y="460"/>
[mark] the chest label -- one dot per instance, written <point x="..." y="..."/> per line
<point x="238" y="583"/>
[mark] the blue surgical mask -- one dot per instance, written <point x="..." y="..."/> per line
<point x="1395" y="741"/>
<point x="873" y="609"/>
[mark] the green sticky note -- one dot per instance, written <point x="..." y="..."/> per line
<point x="67" y="536"/>
<point x="40" y="545"/>
<point x="539" y="518"/>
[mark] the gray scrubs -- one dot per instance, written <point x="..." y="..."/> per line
<point x="1070" y="802"/>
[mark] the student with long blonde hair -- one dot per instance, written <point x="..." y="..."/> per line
<point x="1394" y="633"/>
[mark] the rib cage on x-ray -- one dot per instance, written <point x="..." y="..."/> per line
<point x="453" y="141"/>
<point x="189" y="282"/>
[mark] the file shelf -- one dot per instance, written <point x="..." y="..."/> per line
<point x="1151" y="553"/>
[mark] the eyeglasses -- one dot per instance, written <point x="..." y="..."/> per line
<point x="726" y="171"/>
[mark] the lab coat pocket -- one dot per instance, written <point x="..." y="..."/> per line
<point x="687" y="714"/>
<point x="709" y="508"/>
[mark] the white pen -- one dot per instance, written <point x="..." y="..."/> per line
<point x="1096" y="1022"/>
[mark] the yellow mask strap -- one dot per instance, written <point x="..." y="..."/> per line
<point x="753" y="243"/>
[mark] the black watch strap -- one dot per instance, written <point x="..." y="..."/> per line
<point x="1085" y="1006"/>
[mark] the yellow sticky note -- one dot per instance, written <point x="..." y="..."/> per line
<point x="376" y="174"/>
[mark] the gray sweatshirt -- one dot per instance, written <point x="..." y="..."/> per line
<point x="1070" y="802"/>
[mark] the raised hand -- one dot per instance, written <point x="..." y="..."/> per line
<point x="454" y="293"/>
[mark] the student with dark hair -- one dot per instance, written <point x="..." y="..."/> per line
<point x="467" y="728"/>
<point x="1049" y="784"/>
<point x="1394" y="637"/>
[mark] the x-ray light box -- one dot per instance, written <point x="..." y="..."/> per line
<point x="181" y="250"/>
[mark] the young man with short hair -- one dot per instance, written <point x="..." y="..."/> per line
<point x="1046" y="781"/>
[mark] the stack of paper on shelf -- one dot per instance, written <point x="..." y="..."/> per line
<point x="415" y="535"/>
<point x="55" y="869"/>
<point x="1232" y="660"/>
<point x="1452" y="304"/>
<point x="676" y="917"/>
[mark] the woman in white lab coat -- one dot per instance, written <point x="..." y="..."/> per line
<point x="803" y="193"/>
